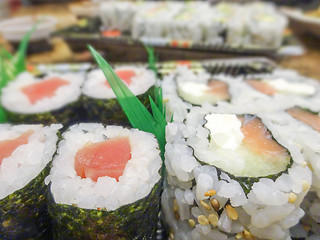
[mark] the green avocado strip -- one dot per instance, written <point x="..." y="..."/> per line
<point x="152" y="62"/>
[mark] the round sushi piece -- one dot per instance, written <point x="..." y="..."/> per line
<point x="280" y="90"/>
<point x="25" y="154"/>
<point x="189" y="23"/>
<point x="117" y="15"/>
<point x="51" y="99"/>
<point x="100" y="102"/>
<point x="105" y="184"/>
<point x="153" y="22"/>
<point x="185" y="89"/>
<point x="306" y="136"/>
<point x="232" y="176"/>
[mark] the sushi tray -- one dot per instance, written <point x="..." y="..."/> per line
<point x="199" y="199"/>
<point x="120" y="46"/>
<point x="193" y="30"/>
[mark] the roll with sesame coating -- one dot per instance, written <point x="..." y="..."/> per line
<point x="232" y="176"/>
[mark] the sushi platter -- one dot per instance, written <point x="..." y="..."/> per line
<point x="212" y="201"/>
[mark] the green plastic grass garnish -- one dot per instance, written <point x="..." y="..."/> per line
<point x="152" y="61"/>
<point x="12" y="65"/>
<point x="137" y="114"/>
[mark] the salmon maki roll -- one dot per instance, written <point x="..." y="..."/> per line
<point x="51" y="99"/>
<point x="105" y="184"/>
<point x="25" y="154"/>
<point x="100" y="102"/>
<point x="232" y="176"/>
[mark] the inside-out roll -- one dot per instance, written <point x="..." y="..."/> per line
<point x="232" y="175"/>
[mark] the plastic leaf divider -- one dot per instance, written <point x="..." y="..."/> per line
<point x="12" y="65"/>
<point x="136" y="112"/>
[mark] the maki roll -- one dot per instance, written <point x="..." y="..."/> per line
<point x="189" y="24"/>
<point x="232" y="176"/>
<point x="154" y="22"/>
<point x="264" y="25"/>
<point x="51" y="99"/>
<point x="100" y="102"/>
<point x="184" y="89"/>
<point x="25" y="152"/>
<point x="273" y="92"/>
<point x="306" y="122"/>
<point x="105" y="184"/>
<point x="117" y="15"/>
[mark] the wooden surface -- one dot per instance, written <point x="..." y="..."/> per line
<point x="307" y="64"/>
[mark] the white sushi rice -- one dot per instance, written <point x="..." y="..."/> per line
<point x="13" y="99"/>
<point x="308" y="141"/>
<point x="308" y="228"/>
<point x="267" y="211"/>
<point x="139" y="177"/>
<point x="27" y="160"/>
<point x="96" y="87"/>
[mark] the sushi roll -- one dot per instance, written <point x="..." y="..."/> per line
<point x="279" y="90"/>
<point x="117" y="15"/>
<point x="100" y="102"/>
<point x="232" y="176"/>
<point x="154" y="22"/>
<point x="51" y="99"/>
<point x="105" y="183"/>
<point x="25" y="154"/>
<point x="187" y="25"/>
<point x="265" y="26"/>
<point x="184" y="89"/>
<point x="306" y="122"/>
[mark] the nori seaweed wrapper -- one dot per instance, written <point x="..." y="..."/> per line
<point x="137" y="220"/>
<point x="23" y="214"/>
<point x="109" y="111"/>
<point x="70" y="114"/>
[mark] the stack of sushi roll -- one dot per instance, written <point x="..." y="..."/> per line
<point x="25" y="154"/>
<point x="265" y="26"/>
<point x="51" y="99"/>
<point x="99" y="100"/>
<point x="105" y="183"/>
<point x="232" y="176"/>
<point x="238" y="25"/>
<point x="155" y="22"/>
<point x="117" y="15"/>
<point x="256" y="24"/>
<point x="189" y="24"/>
